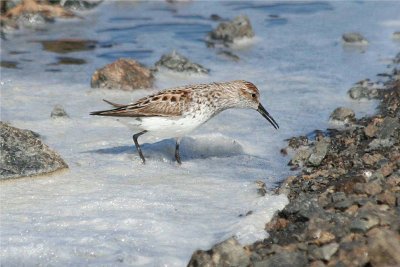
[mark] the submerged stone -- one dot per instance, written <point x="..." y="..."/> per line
<point x="354" y="38"/>
<point x="238" y="28"/>
<point x="179" y="63"/>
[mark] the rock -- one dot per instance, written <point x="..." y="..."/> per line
<point x="284" y="259"/>
<point x="319" y="152"/>
<point x="58" y="111"/>
<point x="125" y="74"/>
<point x="32" y="13"/>
<point x="380" y="143"/>
<point x="78" y="4"/>
<point x="363" y="222"/>
<point x="342" y="114"/>
<point x="353" y="253"/>
<point x="176" y="62"/>
<point x="32" y="20"/>
<point x="238" y="28"/>
<point x="363" y="89"/>
<point x="227" y="253"/>
<point x="354" y="38"/>
<point x="384" y="247"/>
<point x="371" y="188"/>
<point x="64" y="46"/>
<point x="325" y="252"/>
<point x="300" y="157"/>
<point x="396" y="35"/>
<point x="8" y="64"/>
<point x="388" y="127"/>
<point x="387" y="197"/>
<point x="303" y="208"/>
<point x="23" y="154"/>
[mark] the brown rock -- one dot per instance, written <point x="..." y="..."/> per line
<point x="354" y="254"/>
<point x="384" y="247"/>
<point x="125" y="74"/>
<point x="393" y="180"/>
<point x="387" y="197"/>
<point x="371" y="159"/>
<point x="371" y="188"/>
<point x="370" y="130"/>
<point x="386" y="169"/>
<point x="277" y="224"/>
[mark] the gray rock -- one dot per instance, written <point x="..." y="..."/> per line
<point x="79" y="4"/>
<point x="300" y="157"/>
<point x="342" y="114"/>
<point x="389" y="125"/>
<point x="380" y="143"/>
<point x="363" y="222"/>
<point x="363" y="89"/>
<point x="58" y="112"/>
<point x="304" y="208"/>
<point x="32" y="20"/>
<point x="23" y="154"/>
<point x="124" y="74"/>
<point x="396" y="35"/>
<point x="226" y="253"/>
<point x="325" y="252"/>
<point x="354" y="38"/>
<point x="238" y="28"/>
<point x="176" y="62"/>
<point x="319" y="152"/>
<point x="284" y="259"/>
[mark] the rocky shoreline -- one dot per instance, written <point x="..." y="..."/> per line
<point x="344" y="205"/>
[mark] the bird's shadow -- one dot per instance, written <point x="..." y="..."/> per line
<point x="190" y="148"/>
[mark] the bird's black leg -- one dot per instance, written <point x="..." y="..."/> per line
<point x="177" y="155"/>
<point x="135" y="137"/>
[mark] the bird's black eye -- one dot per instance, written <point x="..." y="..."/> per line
<point x="253" y="95"/>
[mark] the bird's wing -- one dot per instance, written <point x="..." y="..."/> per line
<point x="163" y="104"/>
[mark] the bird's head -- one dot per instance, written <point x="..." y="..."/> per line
<point x="250" y="98"/>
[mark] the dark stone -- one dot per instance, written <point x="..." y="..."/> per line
<point x="176" y="62"/>
<point x="63" y="46"/>
<point x="238" y="28"/>
<point x="303" y="208"/>
<point x="8" y="64"/>
<point x="354" y="38"/>
<point x="70" y="61"/>
<point x="23" y="154"/>
<point x="58" y="112"/>
<point x="124" y="74"/>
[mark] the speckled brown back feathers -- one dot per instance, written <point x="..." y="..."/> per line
<point x="166" y="103"/>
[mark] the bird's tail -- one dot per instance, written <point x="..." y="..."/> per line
<point x="110" y="112"/>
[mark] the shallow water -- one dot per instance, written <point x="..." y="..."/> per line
<point x="109" y="209"/>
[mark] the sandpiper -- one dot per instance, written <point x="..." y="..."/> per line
<point x="175" y="112"/>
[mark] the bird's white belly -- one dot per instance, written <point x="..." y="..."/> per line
<point x="163" y="127"/>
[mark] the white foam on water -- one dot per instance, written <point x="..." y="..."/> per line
<point x="110" y="210"/>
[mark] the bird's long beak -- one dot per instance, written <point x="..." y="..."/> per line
<point x="266" y="115"/>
